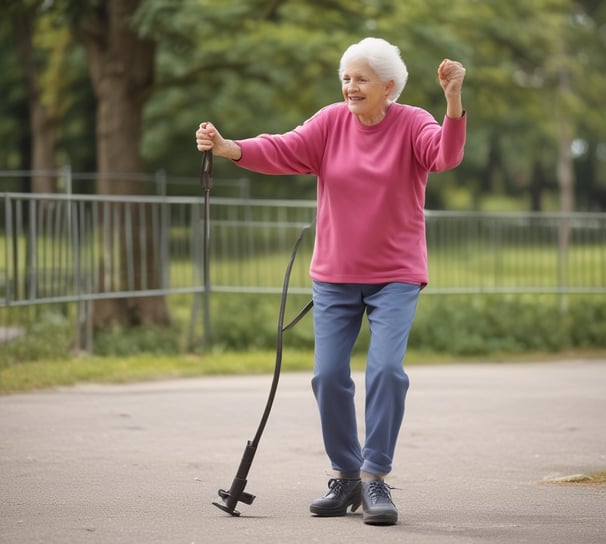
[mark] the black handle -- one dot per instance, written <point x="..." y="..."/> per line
<point x="206" y="171"/>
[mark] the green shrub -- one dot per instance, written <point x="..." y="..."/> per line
<point x="461" y="325"/>
<point x="458" y="325"/>
<point x="251" y="322"/>
<point x="47" y="335"/>
<point x="480" y="325"/>
<point x="588" y="324"/>
<point x="125" y="342"/>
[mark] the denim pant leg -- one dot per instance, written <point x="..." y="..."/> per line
<point x="337" y="316"/>
<point x="390" y="313"/>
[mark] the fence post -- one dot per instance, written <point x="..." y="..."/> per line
<point x="563" y="245"/>
<point x="164" y="228"/>
<point x="7" y="249"/>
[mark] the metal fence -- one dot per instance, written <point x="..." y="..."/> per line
<point x="68" y="182"/>
<point x="57" y="248"/>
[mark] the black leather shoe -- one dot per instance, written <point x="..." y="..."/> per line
<point x="378" y="507"/>
<point x="342" y="493"/>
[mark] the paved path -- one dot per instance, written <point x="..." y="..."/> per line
<point x="129" y="464"/>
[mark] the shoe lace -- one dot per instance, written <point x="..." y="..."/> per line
<point x="336" y="485"/>
<point x="340" y="486"/>
<point x="377" y="490"/>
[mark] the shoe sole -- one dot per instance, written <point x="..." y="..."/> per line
<point x="329" y="513"/>
<point x="380" y="519"/>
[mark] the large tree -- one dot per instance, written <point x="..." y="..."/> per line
<point x="121" y="66"/>
<point x="264" y="65"/>
<point x="41" y="48"/>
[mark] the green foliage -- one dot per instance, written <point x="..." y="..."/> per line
<point x="243" y="323"/>
<point x="454" y="325"/>
<point x="49" y="336"/>
<point x="55" y="75"/>
<point x="251" y="322"/>
<point x="483" y="325"/>
<point x="152" y="340"/>
<point x="14" y="125"/>
<point x="264" y="66"/>
<point x="587" y="324"/>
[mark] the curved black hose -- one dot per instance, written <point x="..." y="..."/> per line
<point x="280" y="334"/>
<point x="236" y="493"/>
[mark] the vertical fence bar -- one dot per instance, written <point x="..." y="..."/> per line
<point x="60" y="279"/>
<point x="74" y="234"/>
<point x="143" y="244"/>
<point x="129" y="244"/>
<point x="16" y="253"/>
<point x="82" y="287"/>
<point x="163" y="253"/>
<point x="116" y="272"/>
<point x="96" y="250"/>
<point x="563" y="248"/>
<point x="8" y="229"/>
<point x="31" y="264"/>
<point x="155" y="234"/>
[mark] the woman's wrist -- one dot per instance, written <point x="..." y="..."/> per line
<point x="229" y="150"/>
<point x="454" y="106"/>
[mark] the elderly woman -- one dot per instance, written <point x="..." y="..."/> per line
<point x="371" y="157"/>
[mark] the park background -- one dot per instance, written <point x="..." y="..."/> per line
<point x="108" y="95"/>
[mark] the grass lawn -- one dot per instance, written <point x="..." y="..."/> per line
<point x="44" y="374"/>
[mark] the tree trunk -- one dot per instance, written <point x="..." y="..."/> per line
<point x="44" y="144"/>
<point x="122" y="71"/>
<point x="43" y="123"/>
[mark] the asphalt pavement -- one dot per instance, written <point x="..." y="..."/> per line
<point x="141" y="463"/>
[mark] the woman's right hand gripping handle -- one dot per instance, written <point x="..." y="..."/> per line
<point x="209" y="138"/>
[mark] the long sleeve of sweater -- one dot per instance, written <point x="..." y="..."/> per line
<point x="371" y="187"/>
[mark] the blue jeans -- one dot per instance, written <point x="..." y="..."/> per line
<point x="338" y="313"/>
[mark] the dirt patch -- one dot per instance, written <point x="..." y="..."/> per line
<point x="593" y="479"/>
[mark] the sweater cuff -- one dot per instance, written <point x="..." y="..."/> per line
<point x="463" y="116"/>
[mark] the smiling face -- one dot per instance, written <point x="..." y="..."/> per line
<point x="365" y="94"/>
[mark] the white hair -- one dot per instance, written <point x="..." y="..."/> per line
<point x="383" y="57"/>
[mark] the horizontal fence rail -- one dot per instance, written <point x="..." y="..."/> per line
<point x="66" y="248"/>
<point x="66" y="181"/>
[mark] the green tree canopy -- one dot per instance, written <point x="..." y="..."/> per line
<point x="534" y="88"/>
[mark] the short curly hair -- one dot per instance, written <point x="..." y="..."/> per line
<point x="383" y="57"/>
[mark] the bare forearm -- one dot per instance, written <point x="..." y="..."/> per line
<point x="454" y="106"/>
<point x="229" y="149"/>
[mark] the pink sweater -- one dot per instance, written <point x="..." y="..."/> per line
<point x="371" y="187"/>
